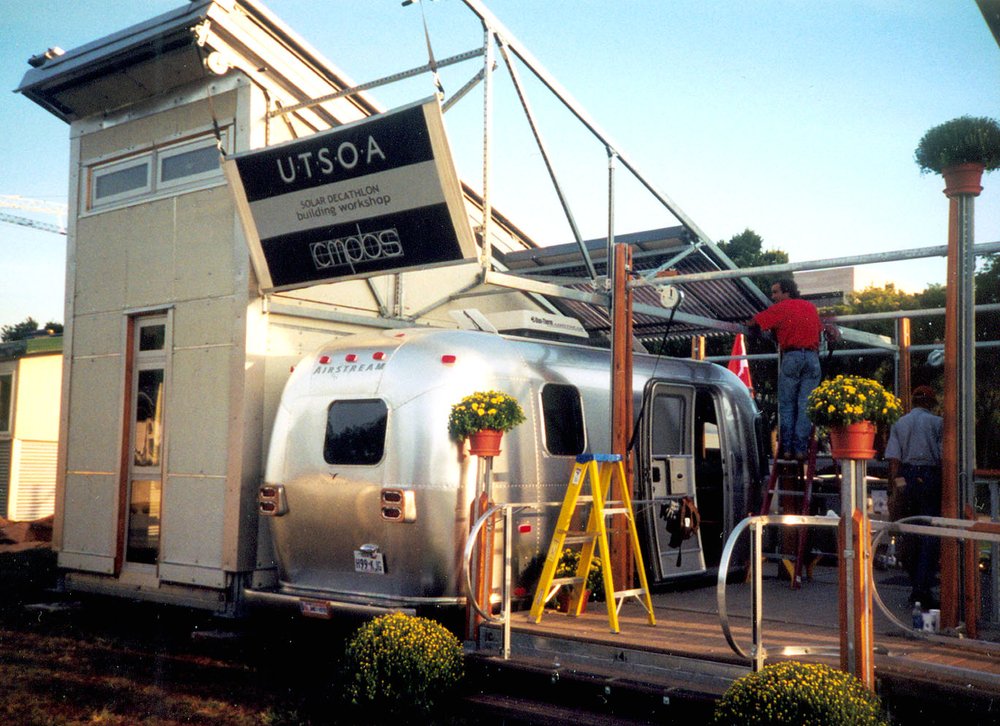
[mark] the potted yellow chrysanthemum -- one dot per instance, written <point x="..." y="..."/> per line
<point x="851" y="407"/>
<point x="483" y="417"/>
<point x="593" y="587"/>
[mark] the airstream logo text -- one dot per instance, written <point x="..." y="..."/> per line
<point x="347" y="368"/>
<point x="357" y="248"/>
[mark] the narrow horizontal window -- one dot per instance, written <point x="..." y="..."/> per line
<point x="187" y="165"/>
<point x="157" y="171"/>
<point x="120" y="182"/>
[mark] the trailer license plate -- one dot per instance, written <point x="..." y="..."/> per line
<point x="372" y="562"/>
<point x="315" y="609"/>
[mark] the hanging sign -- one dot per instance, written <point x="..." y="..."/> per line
<point x="371" y="197"/>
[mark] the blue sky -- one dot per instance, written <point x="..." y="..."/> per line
<point x="795" y="118"/>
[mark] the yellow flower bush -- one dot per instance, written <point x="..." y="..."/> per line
<point x="849" y="399"/>
<point x="484" y="410"/>
<point x="401" y="664"/>
<point x="798" y="694"/>
<point x="568" y="563"/>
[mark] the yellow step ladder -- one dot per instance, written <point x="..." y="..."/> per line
<point x="599" y="470"/>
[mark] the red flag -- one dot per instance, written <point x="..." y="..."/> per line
<point x="740" y="366"/>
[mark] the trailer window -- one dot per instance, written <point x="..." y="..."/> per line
<point x="355" y="432"/>
<point x="563" y="418"/>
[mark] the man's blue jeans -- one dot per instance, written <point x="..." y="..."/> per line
<point x="798" y="375"/>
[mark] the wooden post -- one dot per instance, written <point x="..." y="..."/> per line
<point x="698" y="347"/>
<point x="904" y="381"/>
<point x="621" y="403"/>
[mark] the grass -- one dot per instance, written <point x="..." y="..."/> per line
<point x="125" y="663"/>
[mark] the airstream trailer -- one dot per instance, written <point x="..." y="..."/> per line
<point x="368" y="500"/>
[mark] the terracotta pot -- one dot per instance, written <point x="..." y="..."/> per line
<point x="563" y="598"/>
<point x="485" y="443"/>
<point x="963" y="179"/>
<point x="853" y="441"/>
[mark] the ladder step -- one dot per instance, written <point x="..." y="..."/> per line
<point x="617" y="510"/>
<point x="629" y="593"/>
<point x="566" y="581"/>
<point x="580" y="537"/>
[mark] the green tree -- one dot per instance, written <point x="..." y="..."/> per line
<point x="747" y="250"/>
<point x="928" y="330"/>
<point x="19" y="331"/>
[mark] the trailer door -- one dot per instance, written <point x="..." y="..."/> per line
<point x="668" y="446"/>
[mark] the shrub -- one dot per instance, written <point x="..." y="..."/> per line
<point x="400" y="664"/>
<point x="798" y="694"/>
<point x="960" y="141"/>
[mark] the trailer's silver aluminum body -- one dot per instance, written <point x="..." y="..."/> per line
<point x="334" y="510"/>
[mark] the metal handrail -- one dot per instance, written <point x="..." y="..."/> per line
<point x="933" y="526"/>
<point x="757" y="524"/>
<point x="508" y="509"/>
<point x="470" y="544"/>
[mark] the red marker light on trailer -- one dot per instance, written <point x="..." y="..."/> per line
<point x="524" y="528"/>
<point x="378" y="356"/>
<point x="324" y="359"/>
<point x="350" y="358"/>
<point x="447" y="359"/>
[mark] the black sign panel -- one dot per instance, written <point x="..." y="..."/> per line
<point x="376" y="196"/>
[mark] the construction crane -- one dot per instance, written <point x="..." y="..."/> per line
<point x="33" y="205"/>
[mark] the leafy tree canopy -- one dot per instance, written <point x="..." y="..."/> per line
<point x="19" y="331"/>
<point x="747" y="250"/>
<point x="27" y="328"/>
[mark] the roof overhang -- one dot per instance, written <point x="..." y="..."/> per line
<point x="172" y="50"/>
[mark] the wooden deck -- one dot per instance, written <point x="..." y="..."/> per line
<point x="687" y="650"/>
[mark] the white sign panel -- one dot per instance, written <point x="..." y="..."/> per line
<point x="375" y="196"/>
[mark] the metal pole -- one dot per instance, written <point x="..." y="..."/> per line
<point x="756" y="595"/>
<point x="967" y="352"/>
<point x="856" y="634"/>
<point x="959" y="446"/>
<point x="847" y="557"/>
<point x="486" y="255"/>
<point x="508" y="525"/>
<point x="611" y="212"/>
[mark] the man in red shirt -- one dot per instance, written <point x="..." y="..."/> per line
<point x="796" y="325"/>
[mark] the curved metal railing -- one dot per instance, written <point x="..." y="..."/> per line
<point x="964" y="529"/>
<point x="932" y="526"/>
<point x="756" y="525"/>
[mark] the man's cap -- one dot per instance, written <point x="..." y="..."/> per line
<point x="924" y="393"/>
